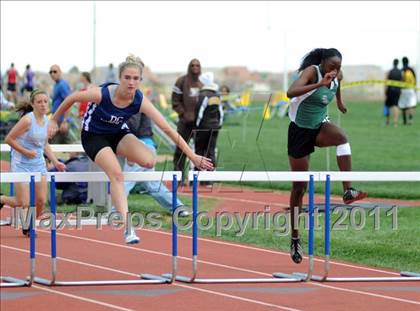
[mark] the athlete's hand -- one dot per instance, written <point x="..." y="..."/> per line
<point x="329" y="76"/>
<point x="60" y="166"/>
<point x="64" y="127"/>
<point x="30" y="154"/>
<point x="52" y="128"/>
<point x="342" y="107"/>
<point x="202" y="163"/>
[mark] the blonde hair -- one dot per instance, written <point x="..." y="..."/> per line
<point x="25" y="106"/>
<point x="131" y="61"/>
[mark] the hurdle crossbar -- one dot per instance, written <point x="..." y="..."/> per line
<point x="145" y="278"/>
<point x="246" y="176"/>
<point x="357" y="176"/>
<point x="8" y="281"/>
<point x="54" y="148"/>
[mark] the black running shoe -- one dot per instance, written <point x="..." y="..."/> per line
<point x="296" y="250"/>
<point x="351" y="195"/>
<point x="27" y="233"/>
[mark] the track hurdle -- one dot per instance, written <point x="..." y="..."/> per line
<point x="54" y="148"/>
<point x="101" y="177"/>
<point x="7" y="281"/>
<point x="239" y="176"/>
<point x="358" y="176"/>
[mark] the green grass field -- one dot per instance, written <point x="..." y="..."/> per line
<point x="394" y="245"/>
<point x="375" y="147"/>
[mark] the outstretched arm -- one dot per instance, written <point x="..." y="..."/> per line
<point x="149" y="109"/>
<point x="90" y="95"/>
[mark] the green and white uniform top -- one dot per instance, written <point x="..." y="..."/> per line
<point x="310" y="109"/>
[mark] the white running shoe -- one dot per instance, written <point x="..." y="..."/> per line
<point x="131" y="237"/>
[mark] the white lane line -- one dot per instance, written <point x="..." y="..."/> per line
<point x="104" y="304"/>
<point x="271" y="251"/>
<point x="239" y="269"/>
<point x="136" y="275"/>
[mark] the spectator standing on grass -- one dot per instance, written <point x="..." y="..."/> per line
<point x="184" y="101"/>
<point x="408" y="98"/>
<point x="209" y="118"/>
<point x="60" y="92"/>
<point x="12" y="79"/>
<point x="29" y="79"/>
<point x="392" y="94"/>
<point x="111" y="76"/>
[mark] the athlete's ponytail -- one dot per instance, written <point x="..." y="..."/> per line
<point x="315" y="57"/>
<point x="25" y="106"/>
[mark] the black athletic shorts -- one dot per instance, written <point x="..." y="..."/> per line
<point x="301" y="141"/>
<point x="93" y="143"/>
<point x="11" y="87"/>
<point x="392" y="99"/>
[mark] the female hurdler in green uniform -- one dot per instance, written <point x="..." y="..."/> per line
<point x="316" y="87"/>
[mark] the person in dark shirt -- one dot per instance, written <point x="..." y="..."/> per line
<point x="209" y="118"/>
<point x="184" y="101"/>
<point x="392" y="94"/>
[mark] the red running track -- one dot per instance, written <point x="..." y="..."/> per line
<point x="91" y="254"/>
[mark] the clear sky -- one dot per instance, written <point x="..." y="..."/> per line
<point x="167" y="35"/>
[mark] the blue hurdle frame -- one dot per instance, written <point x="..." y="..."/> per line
<point x="311" y="237"/>
<point x="145" y="278"/>
<point x="193" y="279"/>
<point x="8" y="222"/>
<point x="404" y="276"/>
<point x="8" y="281"/>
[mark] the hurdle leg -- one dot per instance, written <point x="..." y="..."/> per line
<point x="7" y="281"/>
<point x="194" y="279"/>
<point x="53" y="207"/>
<point x="8" y="221"/>
<point x="410" y="274"/>
<point x="171" y="276"/>
<point x="405" y="276"/>
<point x="144" y="279"/>
<point x="306" y="276"/>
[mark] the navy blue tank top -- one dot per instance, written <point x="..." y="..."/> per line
<point x="105" y="117"/>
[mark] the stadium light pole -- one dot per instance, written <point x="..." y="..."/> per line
<point x="285" y="76"/>
<point x="269" y="28"/>
<point x="94" y="42"/>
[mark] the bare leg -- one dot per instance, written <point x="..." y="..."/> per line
<point x="40" y="195"/>
<point x="20" y="200"/>
<point x="395" y="114"/>
<point x="404" y="115"/>
<point x="410" y="116"/>
<point x="107" y="160"/>
<point x="135" y="151"/>
<point x="298" y="190"/>
<point x="332" y="135"/>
